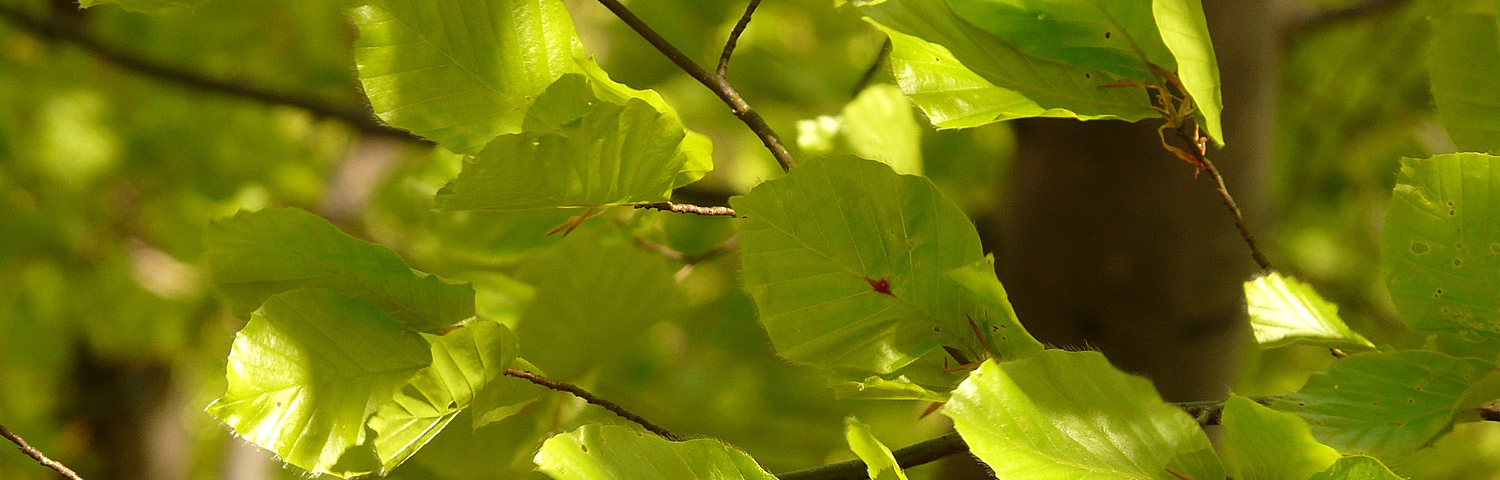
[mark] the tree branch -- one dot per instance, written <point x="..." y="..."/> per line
<point x="734" y="37"/>
<point x="688" y="208"/>
<point x="715" y="83"/>
<point x="37" y="455"/>
<point x="874" y="68"/>
<point x="591" y="398"/>
<point x="359" y="118"/>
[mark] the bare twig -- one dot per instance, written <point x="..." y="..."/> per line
<point x="591" y="398"/>
<point x="688" y="208"/>
<point x="37" y="455"/>
<point x="716" y="83"/>
<point x="1239" y="218"/>
<point x="1207" y="413"/>
<point x="359" y="118"/>
<point x="734" y="37"/>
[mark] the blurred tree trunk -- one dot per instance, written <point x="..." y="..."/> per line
<point x="1106" y="240"/>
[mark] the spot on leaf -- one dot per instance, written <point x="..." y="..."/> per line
<point x="882" y="285"/>
<point x="1418" y="248"/>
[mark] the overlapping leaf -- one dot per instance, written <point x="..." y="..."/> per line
<point x="465" y="362"/>
<point x="878" y="459"/>
<point x="1068" y="415"/>
<point x="1385" y="404"/>
<point x="1264" y="444"/>
<point x="1441" y="244"/>
<point x="604" y="451"/>
<point x="1055" y="54"/>
<point x="584" y="145"/>
<point x="1284" y="310"/>
<point x="253" y="256"/>
<point x="307" y="371"/>
<point x="461" y="72"/>
<point x="878" y="125"/>
<point x="1462" y="59"/>
<point x="847" y="262"/>
<point x="1357" y="467"/>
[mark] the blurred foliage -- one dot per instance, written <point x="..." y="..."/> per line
<point x="109" y="179"/>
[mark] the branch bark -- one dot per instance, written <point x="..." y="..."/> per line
<point x="716" y="83"/>
<point x="37" y="455"/>
<point x="734" y="37"/>
<point x="360" y="118"/>
<point x="591" y="398"/>
<point x="688" y="208"/>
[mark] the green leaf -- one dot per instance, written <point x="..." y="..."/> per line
<point x="1385" y="404"/>
<point x="465" y="362"/>
<point x="142" y="5"/>
<point x="1264" y="444"/>
<point x="1118" y="37"/>
<point x="1284" y="311"/>
<point x="253" y="256"/>
<point x="582" y="148"/>
<point x="613" y="452"/>
<point x="461" y="72"/>
<point x="1070" y="415"/>
<point x="1049" y="83"/>
<point x="1462" y="59"/>
<point x="878" y="459"/>
<point x="949" y="93"/>
<point x="1441" y="244"/>
<point x="595" y="295"/>
<point x="308" y="370"/>
<point x="847" y="262"/>
<point x="1005" y="337"/>
<point x="877" y="387"/>
<point x="1184" y="30"/>
<point x="878" y="125"/>
<point x="1357" y="467"/>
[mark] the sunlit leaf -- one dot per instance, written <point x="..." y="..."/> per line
<point x="1184" y="30"/>
<point x="1005" y="337"/>
<point x="253" y="256"/>
<point x="461" y="72"/>
<point x="848" y="263"/>
<point x="1385" y="404"/>
<point x="878" y="459"/>
<point x="465" y="362"/>
<point x="611" y="452"/>
<point x="1357" y="467"/>
<point x="1264" y="444"/>
<point x="1069" y="415"/>
<point x="1464" y="54"/>
<point x="306" y="373"/>
<point x="878" y="125"/>
<point x="581" y="149"/>
<point x="1284" y="311"/>
<point x="1441" y="244"/>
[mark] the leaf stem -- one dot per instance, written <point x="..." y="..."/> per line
<point x="360" y="118"/>
<point x="688" y="208"/>
<point x="716" y="83"/>
<point x="591" y="398"/>
<point x="734" y="37"/>
<point x="37" y="455"/>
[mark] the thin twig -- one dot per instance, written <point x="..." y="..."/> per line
<point x="688" y="208"/>
<point x="37" y="455"/>
<point x="1207" y="412"/>
<point x="1198" y="144"/>
<point x="716" y="83"/>
<point x="734" y="37"/>
<point x="691" y="259"/>
<point x="359" y="118"/>
<point x="589" y="397"/>
<point x="1334" y="16"/>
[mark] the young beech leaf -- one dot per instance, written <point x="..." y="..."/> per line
<point x="1264" y="444"/>
<point x="1284" y="311"/>
<point x="1069" y="415"/>
<point x="306" y="373"/>
<point x="606" y="451"/>
<point x="253" y="256"/>
<point x="848" y="260"/>
<point x="878" y="459"/>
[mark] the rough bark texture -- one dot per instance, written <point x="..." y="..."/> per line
<point x="1106" y="240"/>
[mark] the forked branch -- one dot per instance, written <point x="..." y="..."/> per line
<point x="716" y="83"/>
<point x="734" y="37"/>
<point x="37" y="455"/>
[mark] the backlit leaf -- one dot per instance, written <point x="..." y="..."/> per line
<point x="253" y="256"/>
<point x="878" y="459"/>
<point x="1357" y="467"/>
<point x="1264" y="444"/>
<point x="1284" y="311"/>
<point x="878" y="125"/>
<point x="595" y="452"/>
<point x="1069" y="415"/>
<point x="1441" y="244"/>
